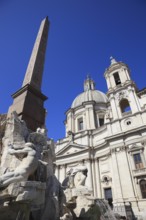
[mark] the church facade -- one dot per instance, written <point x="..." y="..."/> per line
<point x="107" y="134"/>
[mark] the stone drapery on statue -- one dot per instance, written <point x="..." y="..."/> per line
<point x="77" y="176"/>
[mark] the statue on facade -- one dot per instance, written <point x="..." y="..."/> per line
<point x="77" y="176"/>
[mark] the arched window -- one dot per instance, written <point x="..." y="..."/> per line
<point x="124" y="105"/>
<point x="143" y="188"/>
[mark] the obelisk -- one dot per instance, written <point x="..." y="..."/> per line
<point x="28" y="101"/>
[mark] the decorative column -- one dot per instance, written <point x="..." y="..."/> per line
<point x="69" y="120"/>
<point x="91" y="117"/>
<point x="108" y="82"/>
<point x="113" y="107"/>
<point x="133" y="100"/>
<point x="89" y="180"/>
<point x="87" y="118"/>
<point x="98" y="180"/>
<point x="116" y="177"/>
<point x="94" y="179"/>
<point x="138" y="191"/>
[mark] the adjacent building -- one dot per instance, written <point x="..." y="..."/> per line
<point x="107" y="133"/>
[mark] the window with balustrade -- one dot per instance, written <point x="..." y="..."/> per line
<point x="138" y="161"/>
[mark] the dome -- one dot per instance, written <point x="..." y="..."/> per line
<point x="89" y="95"/>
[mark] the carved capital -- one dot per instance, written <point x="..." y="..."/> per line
<point x="121" y="95"/>
<point x="118" y="149"/>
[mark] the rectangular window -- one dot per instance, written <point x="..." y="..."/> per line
<point x="117" y="78"/>
<point x="101" y="121"/>
<point x="80" y="124"/>
<point x="138" y="161"/>
<point x="143" y="188"/>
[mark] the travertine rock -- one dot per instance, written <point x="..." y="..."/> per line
<point x="15" y="134"/>
<point x="27" y="175"/>
<point x="28" y="191"/>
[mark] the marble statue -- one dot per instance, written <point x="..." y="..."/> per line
<point x="77" y="176"/>
<point x="27" y="166"/>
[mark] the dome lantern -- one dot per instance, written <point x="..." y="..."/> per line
<point x="89" y="84"/>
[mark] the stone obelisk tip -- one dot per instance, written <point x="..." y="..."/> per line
<point x="35" y="67"/>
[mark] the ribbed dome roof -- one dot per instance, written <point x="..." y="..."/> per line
<point x="90" y="95"/>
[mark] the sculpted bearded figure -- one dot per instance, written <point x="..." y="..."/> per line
<point x="27" y="166"/>
<point x="77" y="176"/>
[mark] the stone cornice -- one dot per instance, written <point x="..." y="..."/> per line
<point x="118" y="149"/>
<point x="100" y="146"/>
<point x="120" y="87"/>
<point x="31" y="89"/>
<point x="116" y="66"/>
<point x="123" y="134"/>
<point x="124" y="117"/>
<point x="141" y="92"/>
<point x="74" y="154"/>
<point x="83" y="105"/>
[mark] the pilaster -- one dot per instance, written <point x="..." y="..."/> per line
<point x="89" y="180"/>
<point x="98" y="179"/>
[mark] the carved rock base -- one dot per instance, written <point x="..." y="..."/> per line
<point x="19" y="199"/>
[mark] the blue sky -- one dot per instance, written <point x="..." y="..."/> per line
<point x="83" y="35"/>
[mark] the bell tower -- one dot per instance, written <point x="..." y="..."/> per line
<point x="28" y="101"/>
<point x="117" y="74"/>
<point x="122" y="91"/>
